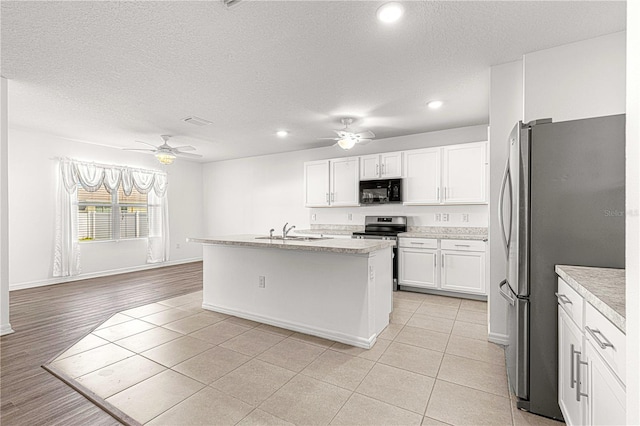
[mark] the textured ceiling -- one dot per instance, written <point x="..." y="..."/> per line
<point x="113" y="72"/>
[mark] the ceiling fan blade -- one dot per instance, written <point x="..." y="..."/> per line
<point x="147" y="143"/>
<point x="186" y="154"/>
<point x="184" y="148"/>
<point x="139" y="149"/>
<point x="333" y="139"/>
<point x="364" y="141"/>
<point x="366" y="135"/>
<point x="340" y="133"/>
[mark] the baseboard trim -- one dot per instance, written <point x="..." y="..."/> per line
<point x="5" y="329"/>
<point x="301" y="328"/>
<point x="500" y="339"/>
<point x="61" y="280"/>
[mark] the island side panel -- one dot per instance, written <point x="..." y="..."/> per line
<point x="381" y="288"/>
<point x="325" y="294"/>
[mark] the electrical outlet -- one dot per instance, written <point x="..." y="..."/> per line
<point x="178" y="245"/>
<point x="445" y="217"/>
<point x="465" y="217"/>
<point x="261" y="281"/>
<point x="350" y="216"/>
<point x="438" y="217"/>
<point x="313" y="217"/>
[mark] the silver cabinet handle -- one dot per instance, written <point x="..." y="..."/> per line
<point x="563" y="299"/>
<point x="443" y="260"/>
<point x="327" y="197"/>
<point x="434" y="260"/>
<point x="377" y="169"/>
<point x="415" y="242"/>
<point x="444" y="190"/>
<point x="333" y="196"/>
<point x="603" y="345"/>
<point x="383" y="171"/>
<point x="573" y="354"/>
<point x="438" y="194"/>
<point x="462" y="245"/>
<point x="579" y="393"/>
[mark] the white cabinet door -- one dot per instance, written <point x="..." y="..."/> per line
<point x="463" y="271"/>
<point x="369" y="167"/>
<point x="344" y="181"/>
<point x="316" y="183"/>
<point x="391" y="165"/>
<point x="422" y="176"/>
<point x="569" y="347"/>
<point x="606" y="400"/>
<point x="464" y="173"/>
<point x="417" y="267"/>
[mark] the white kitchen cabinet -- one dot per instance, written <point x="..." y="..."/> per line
<point x="569" y="347"/>
<point x="422" y="176"/>
<point x="417" y="264"/>
<point x="605" y="393"/>
<point x="331" y="182"/>
<point x="463" y="266"/>
<point x="464" y="170"/>
<point x="381" y="166"/>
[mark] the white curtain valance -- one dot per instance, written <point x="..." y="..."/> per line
<point x="92" y="176"/>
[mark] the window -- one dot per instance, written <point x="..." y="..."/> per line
<point x="104" y="216"/>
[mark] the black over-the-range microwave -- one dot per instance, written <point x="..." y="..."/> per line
<point x="381" y="191"/>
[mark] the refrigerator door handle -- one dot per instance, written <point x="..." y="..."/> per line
<point x="506" y="295"/>
<point x="506" y="239"/>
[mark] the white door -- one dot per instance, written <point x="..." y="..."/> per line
<point x="606" y="395"/>
<point x="569" y="346"/>
<point x="417" y="267"/>
<point x="344" y="182"/>
<point x="464" y="173"/>
<point x="422" y="176"/>
<point x="316" y="183"/>
<point x="391" y="165"/>
<point x="462" y="271"/>
<point x="369" y="167"/>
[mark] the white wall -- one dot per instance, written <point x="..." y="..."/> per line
<point x="633" y="213"/>
<point x="33" y="174"/>
<point x="252" y="195"/>
<point x="5" y="326"/>
<point x="577" y="80"/>
<point x="506" y="105"/>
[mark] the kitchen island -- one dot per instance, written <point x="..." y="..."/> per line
<point x="337" y="289"/>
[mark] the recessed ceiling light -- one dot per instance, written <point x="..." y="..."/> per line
<point x="282" y="133"/>
<point x="434" y="104"/>
<point x="390" y="12"/>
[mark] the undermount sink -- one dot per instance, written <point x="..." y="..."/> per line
<point x="292" y="238"/>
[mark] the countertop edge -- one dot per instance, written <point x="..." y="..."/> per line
<point x="288" y="245"/>
<point x="610" y="313"/>
<point x="443" y="236"/>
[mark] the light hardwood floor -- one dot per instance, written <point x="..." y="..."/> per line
<point x="47" y="320"/>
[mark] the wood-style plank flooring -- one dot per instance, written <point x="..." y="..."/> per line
<point x="49" y="319"/>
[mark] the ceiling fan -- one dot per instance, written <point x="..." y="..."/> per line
<point x="347" y="139"/>
<point x="166" y="153"/>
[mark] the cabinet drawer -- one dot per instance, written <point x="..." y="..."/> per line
<point x="571" y="302"/>
<point x="601" y="332"/>
<point x="426" y="243"/>
<point x="463" y="245"/>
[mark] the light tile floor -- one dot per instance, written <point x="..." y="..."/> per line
<point x="173" y="363"/>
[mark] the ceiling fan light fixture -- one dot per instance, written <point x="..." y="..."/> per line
<point x="165" y="157"/>
<point x="346" y="143"/>
<point x="390" y="12"/>
<point x="434" y="104"/>
<point x="282" y="133"/>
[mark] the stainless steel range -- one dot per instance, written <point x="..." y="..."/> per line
<point x="385" y="228"/>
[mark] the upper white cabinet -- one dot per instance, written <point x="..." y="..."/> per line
<point x="422" y="176"/>
<point x="381" y="166"/>
<point x="464" y="173"/>
<point x="453" y="174"/>
<point x="331" y="182"/>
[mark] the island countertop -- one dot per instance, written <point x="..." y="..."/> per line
<point x="603" y="288"/>
<point x="337" y="245"/>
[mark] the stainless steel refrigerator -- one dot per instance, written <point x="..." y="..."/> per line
<point x="561" y="202"/>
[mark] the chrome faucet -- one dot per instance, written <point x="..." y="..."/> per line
<point x="285" y="231"/>
<point x="271" y="232"/>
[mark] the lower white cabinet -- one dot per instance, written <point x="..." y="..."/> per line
<point x="590" y="363"/>
<point x="457" y="265"/>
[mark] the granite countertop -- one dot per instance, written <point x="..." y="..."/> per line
<point x="603" y="288"/>
<point x="325" y="231"/>
<point x="446" y="233"/>
<point x="338" y="245"/>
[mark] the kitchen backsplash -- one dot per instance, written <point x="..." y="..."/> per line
<point x="441" y="216"/>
